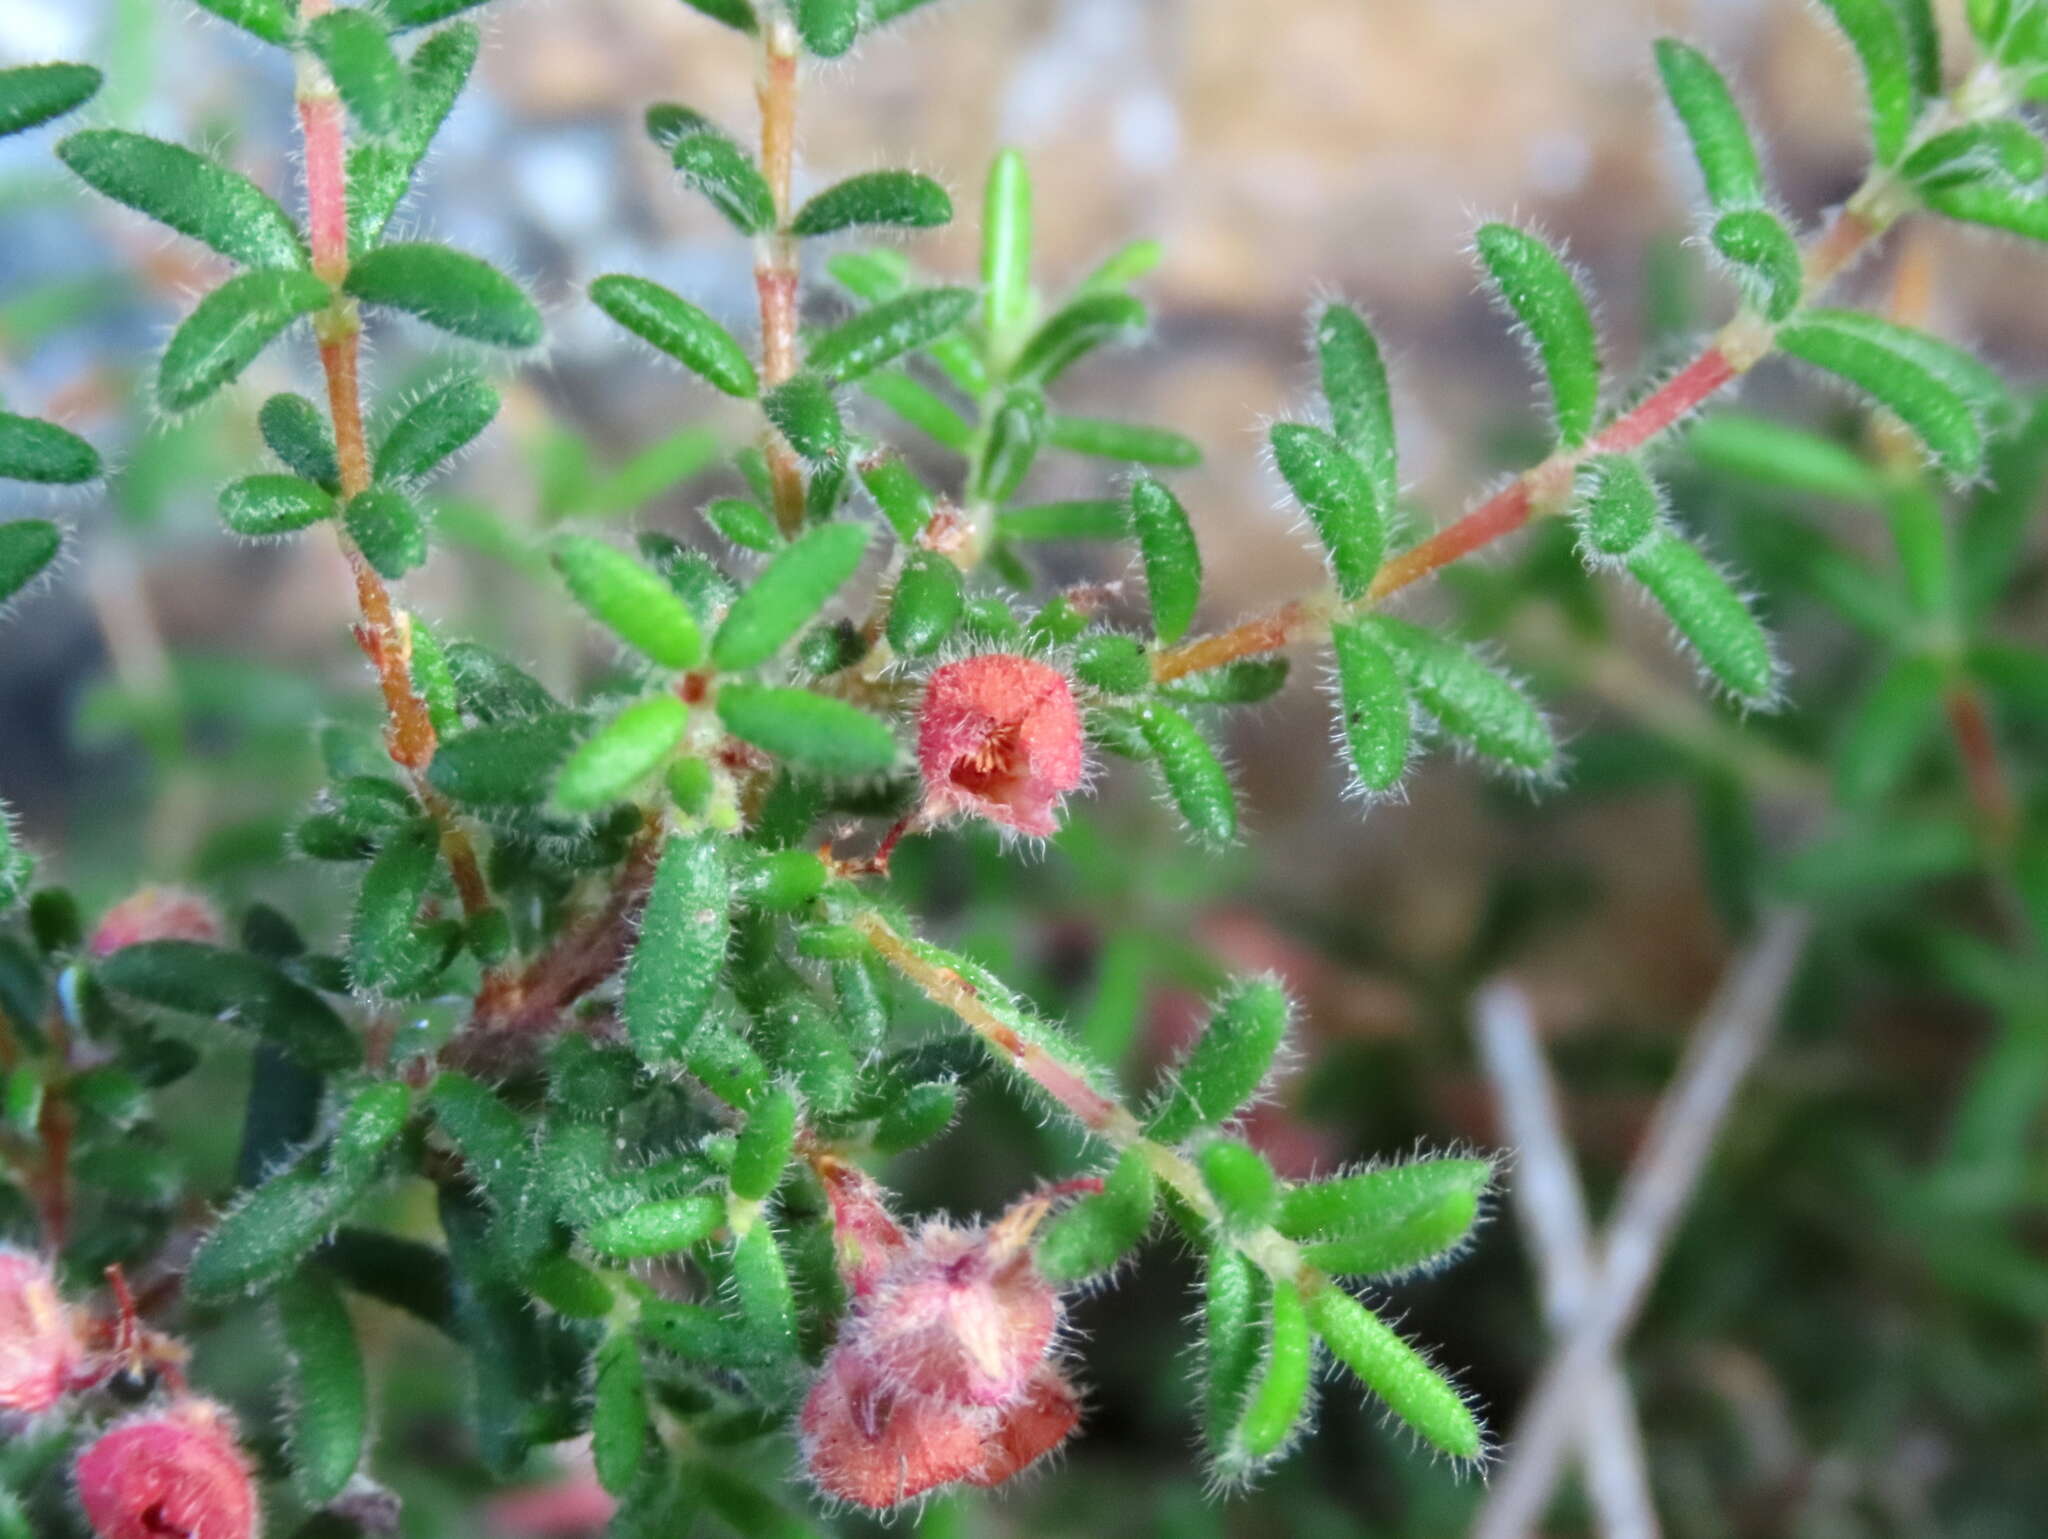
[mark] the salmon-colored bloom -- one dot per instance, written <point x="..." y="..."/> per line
<point x="943" y="1371"/>
<point x="155" y="913"/>
<point x="999" y="737"/>
<point x="39" y="1345"/>
<point x="177" y="1471"/>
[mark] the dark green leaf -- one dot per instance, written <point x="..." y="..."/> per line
<point x="1539" y="289"/>
<point x="678" y="328"/>
<point x="787" y="594"/>
<point x="443" y="422"/>
<point x="259" y="506"/>
<point x="193" y="195"/>
<point x="228" y="329"/>
<point x="32" y="94"/>
<point x="356" y="50"/>
<point x="902" y="199"/>
<point x="885" y="332"/>
<point x="236" y="988"/>
<point x="1173" y="562"/>
<point x="296" y="431"/>
<point x="449" y="289"/>
<point x="388" y="529"/>
<point x="27" y="547"/>
<point x="34" y="450"/>
<point x="811" y="731"/>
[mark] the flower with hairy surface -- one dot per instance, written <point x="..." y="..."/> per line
<point x="39" y="1345"/>
<point x="999" y="737"/>
<point x="152" y="914"/>
<point x="175" y="1472"/>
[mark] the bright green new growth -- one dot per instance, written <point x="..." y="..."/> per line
<point x="1277" y="1401"/>
<point x="1194" y="777"/>
<point x="1939" y="392"/>
<point x="1173" y="562"/>
<point x="630" y="600"/>
<point x="1539" y="289"/>
<point x="1395" y="1371"/>
<point x="1727" y="158"/>
<point x="1376" y="715"/>
<point x="1227" y="1064"/>
<point x="1361" y="404"/>
<point x="811" y="731"/>
<point x="1470" y="700"/>
<point x="1875" y="32"/>
<point x="1766" y="259"/>
<point x="1096" y="1233"/>
<point x="1387" y="1220"/>
<point x="1241" y="1183"/>
<point x="1338" y="495"/>
<point x="787" y="595"/>
<point x="1710" y="615"/>
<point x="623" y="753"/>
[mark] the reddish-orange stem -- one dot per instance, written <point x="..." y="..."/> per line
<point x="775" y="272"/>
<point x="1976" y="743"/>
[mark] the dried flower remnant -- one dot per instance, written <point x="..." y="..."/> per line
<point x="39" y="1345"/>
<point x="175" y="1472"/>
<point x="943" y="1372"/>
<point x="999" y="737"/>
<point x="154" y="914"/>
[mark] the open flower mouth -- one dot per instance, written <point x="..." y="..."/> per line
<point x="1000" y="738"/>
<point x="997" y="777"/>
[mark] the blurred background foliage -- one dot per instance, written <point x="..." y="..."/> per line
<point x="1851" y="1336"/>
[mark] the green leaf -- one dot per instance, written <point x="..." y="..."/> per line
<point x="1396" y="1372"/>
<point x="1226" y="1066"/>
<point x="902" y="199"/>
<point x="1389" y="1220"/>
<point x="745" y="524"/>
<point x="1194" y="777"/>
<point x="1361" y="405"/>
<point x="1469" y="699"/>
<point x="1077" y="329"/>
<point x="1539" y="289"/>
<point x="1016" y="432"/>
<point x="1096" y="1233"/>
<point x="1766" y="258"/>
<point x="27" y="548"/>
<point x="296" y="431"/>
<point x="1334" y="489"/>
<point x="406" y="14"/>
<point x="1874" y="32"/>
<point x="629" y="600"/>
<point x="271" y="20"/>
<point x="2002" y="152"/>
<point x="761" y="1286"/>
<point x="1786" y="457"/>
<point x="33" y="94"/>
<point x="678" y="328"/>
<point x="1277" y="1401"/>
<point x="387" y="953"/>
<point x="2022" y="211"/>
<point x="1727" y="157"/>
<point x="441" y="423"/>
<point x="1081" y="520"/>
<point x="1923" y="43"/>
<point x="903" y="499"/>
<point x="1617" y="508"/>
<point x="381" y="170"/>
<point x="193" y="195"/>
<point x="621" y="1427"/>
<point x="366" y="73"/>
<point x="328" y="1394"/>
<point x="261" y="506"/>
<point x="1116" y="665"/>
<point x="1128" y="441"/>
<point x="448" y="289"/>
<point x="885" y="332"/>
<point x="810" y="731"/>
<point x="1373" y="705"/>
<point x="389" y="529"/>
<point x="1886" y="731"/>
<point x="1242" y="681"/>
<point x="927" y="604"/>
<point x="1234" y="1294"/>
<point x="621" y="754"/>
<point x="236" y="988"/>
<point x="787" y="594"/>
<point x="680" y="952"/>
<point x="1173" y="562"/>
<point x="1240" y="1182"/>
<point x="804" y="413"/>
<point x="923" y="410"/>
<point x="765" y="1142"/>
<point x="1006" y="252"/>
<point x="657" y="1228"/>
<point x="34" y="450"/>
<point x="228" y="329"/>
<point x="1939" y="392"/>
<point x="713" y="165"/>
<point x="828" y="27"/>
<point x="922" y="1114"/>
<point x="1710" y="615"/>
<point x="509" y="763"/>
<point x="737" y="14"/>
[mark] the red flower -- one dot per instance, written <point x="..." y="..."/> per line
<point x="39" y="1345"/>
<point x="943" y="1370"/>
<point x="155" y="913"/>
<point x="999" y="737"/>
<point x="172" y="1472"/>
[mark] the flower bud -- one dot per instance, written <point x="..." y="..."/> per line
<point x="964" y="1316"/>
<point x="153" y="914"/>
<point x="879" y="1446"/>
<point x="999" y="737"/>
<point x="39" y="1348"/>
<point x="175" y="1471"/>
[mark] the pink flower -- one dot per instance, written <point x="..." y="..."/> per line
<point x="39" y="1345"/>
<point x="943" y="1371"/>
<point x="172" y="1472"/>
<point x="999" y="737"/>
<point x="155" y="913"/>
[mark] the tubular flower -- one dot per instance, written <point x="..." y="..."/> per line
<point x="175" y="1472"/>
<point x="999" y="737"/>
<point x="155" y="913"/>
<point x="944" y="1371"/>
<point x="39" y="1346"/>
